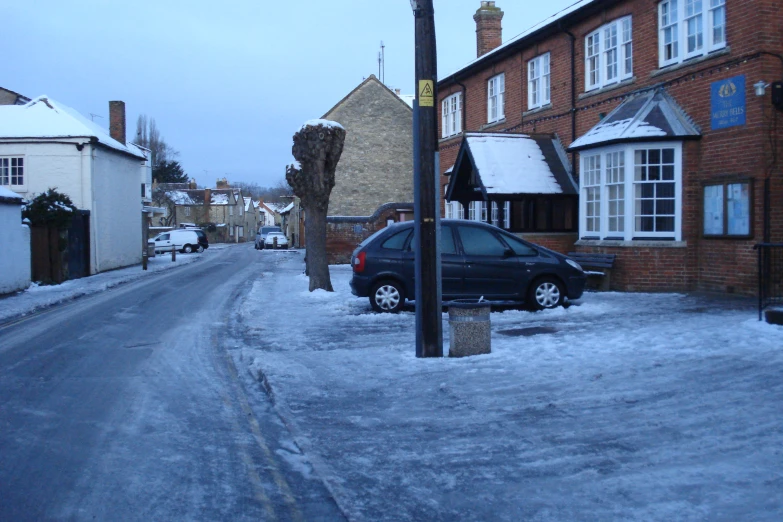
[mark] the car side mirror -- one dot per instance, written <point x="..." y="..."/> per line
<point x="508" y="253"/>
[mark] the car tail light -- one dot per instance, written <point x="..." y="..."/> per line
<point x="358" y="262"/>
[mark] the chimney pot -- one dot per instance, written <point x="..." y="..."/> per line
<point x="117" y="121"/>
<point x="489" y="31"/>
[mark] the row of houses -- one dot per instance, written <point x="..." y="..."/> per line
<point x="647" y="129"/>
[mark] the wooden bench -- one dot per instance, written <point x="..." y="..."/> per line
<point x="596" y="265"/>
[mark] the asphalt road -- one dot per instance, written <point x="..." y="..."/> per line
<point x="132" y="405"/>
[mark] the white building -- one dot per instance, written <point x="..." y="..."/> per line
<point x="44" y="144"/>
<point x="15" y="242"/>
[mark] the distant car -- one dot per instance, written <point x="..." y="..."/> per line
<point x="183" y="240"/>
<point x="282" y="241"/>
<point x="262" y="233"/>
<point x="477" y="260"/>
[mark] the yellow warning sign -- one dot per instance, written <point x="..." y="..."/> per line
<point x="426" y="93"/>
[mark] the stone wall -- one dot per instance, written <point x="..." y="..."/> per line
<point x="376" y="166"/>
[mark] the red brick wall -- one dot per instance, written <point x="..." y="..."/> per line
<point x="342" y="237"/>
<point x="562" y="242"/>
<point x="748" y="151"/>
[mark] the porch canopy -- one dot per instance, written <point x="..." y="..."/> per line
<point x="507" y="167"/>
<point x="652" y="115"/>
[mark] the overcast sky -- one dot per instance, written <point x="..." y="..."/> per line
<point x="229" y="82"/>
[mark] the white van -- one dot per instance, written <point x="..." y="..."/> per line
<point x="184" y="240"/>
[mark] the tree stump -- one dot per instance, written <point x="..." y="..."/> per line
<point x="317" y="148"/>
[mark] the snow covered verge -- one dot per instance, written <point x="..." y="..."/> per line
<point x="623" y="406"/>
<point x="38" y="297"/>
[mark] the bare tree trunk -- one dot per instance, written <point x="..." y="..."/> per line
<point x="316" y="249"/>
<point x="317" y="148"/>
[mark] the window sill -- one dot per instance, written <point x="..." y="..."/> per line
<point x="449" y="138"/>
<point x="607" y="88"/>
<point x="631" y="244"/>
<point x="537" y="110"/>
<point x="492" y="124"/>
<point x="691" y="61"/>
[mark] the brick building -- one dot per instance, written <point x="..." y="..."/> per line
<point x="374" y="178"/>
<point x="669" y="123"/>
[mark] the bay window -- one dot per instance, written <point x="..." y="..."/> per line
<point x="538" y="82"/>
<point x="609" y="54"/>
<point x="632" y="192"/>
<point x="451" y="115"/>
<point x="496" y="92"/>
<point x="690" y="28"/>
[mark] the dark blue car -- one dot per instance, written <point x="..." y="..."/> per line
<point x="477" y="260"/>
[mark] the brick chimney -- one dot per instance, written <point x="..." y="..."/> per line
<point x="117" y="120"/>
<point x="193" y="185"/>
<point x="489" y="33"/>
<point x="207" y="197"/>
<point x="222" y="184"/>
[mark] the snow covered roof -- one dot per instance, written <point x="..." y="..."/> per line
<point x="221" y="196"/>
<point x="8" y="196"/>
<point x="47" y="118"/>
<point x="407" y="98"/>
<point x="275" y="207"/>
<point x="648" y="116"/>
<point x="494" y="163"/>
<point x="248" y="204"/>
<point x="519" y="39"/>
<point x="185" y="197"/>
<point x="287" y="208"/>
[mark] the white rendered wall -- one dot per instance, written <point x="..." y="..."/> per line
<point x="14" y="249"/>
<point x="52" y="165"/>
<point x="115" y="219"/>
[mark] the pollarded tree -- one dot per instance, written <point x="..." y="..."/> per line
<point x="317" y="148"/>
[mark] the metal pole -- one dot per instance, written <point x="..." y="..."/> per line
<point x="429" y="336"/>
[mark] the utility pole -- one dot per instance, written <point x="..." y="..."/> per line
<point x="429" y="333"/>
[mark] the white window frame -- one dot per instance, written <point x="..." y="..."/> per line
<point x="9" y="172"/>
<point x="507" y="215"/>
<point x="608" y="178"/>
<point x="451" y="115"/>
<point x="495" y="213"/>
<point x="539" y="84"/>
<point x="496" y="94"/>
<point x="609" y="54"/>
<point x="187" y="211"/>
<point x="230" y="209"/>
<point x="689" y="26"/>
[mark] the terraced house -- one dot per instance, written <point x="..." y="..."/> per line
<point x="642" y="128"/>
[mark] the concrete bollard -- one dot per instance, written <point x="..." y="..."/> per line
<point x="144" y="261"/>
<point x="469" y="328"/>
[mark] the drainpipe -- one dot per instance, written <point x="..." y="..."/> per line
<point x="464" y="105"/>
<point x="573" y="92"/>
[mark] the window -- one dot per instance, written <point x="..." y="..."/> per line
<point x="690" y="28"/>
<point x="447" y="245"/>
<point x="187" y="211"/>
<point x="592" y="192"/>
<point x="480" y="242"/>
<point x="495" y="213"/>
<point x="518" y="246"/>
<point x="631" y="192"/>
<point x="12" y="172"/>
<point x="397" y="241"/>
<point x="727" y="209"/>
<point x="609" y="54"/>
<point x="451" y="111"/>
<point x="496" y="92"/>
<point x="231" y="211"/>
<point x="484" y="211"/>
<point x="538" y="82"/>
<point x="472" y="211"/>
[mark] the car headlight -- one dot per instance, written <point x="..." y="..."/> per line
<point x="574" y="264"/>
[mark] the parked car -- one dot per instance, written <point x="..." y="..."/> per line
<point x="282" y="241"/>
<point x="477" y="260"/>
<point x="262" y="233"/>
<point x="184" y="240"/>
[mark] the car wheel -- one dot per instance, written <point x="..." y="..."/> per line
<point x="200" y="249"/>
<point x="187" y="249"/>
<point x="387" y="296"/>
<point x="546" y="292"/>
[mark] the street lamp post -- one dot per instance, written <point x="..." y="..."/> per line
<point x="429" y="333"/>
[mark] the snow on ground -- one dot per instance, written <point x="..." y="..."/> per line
<point x="621" y="407"/>
<point x="37" y="297"/>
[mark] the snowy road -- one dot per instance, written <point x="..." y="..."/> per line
<point x="133" y="404"/>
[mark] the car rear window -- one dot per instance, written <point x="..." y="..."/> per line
<point x="372" y="237"/>
<point x="397" y="241"/>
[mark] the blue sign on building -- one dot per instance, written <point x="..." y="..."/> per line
<point x="728" y="103"/>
